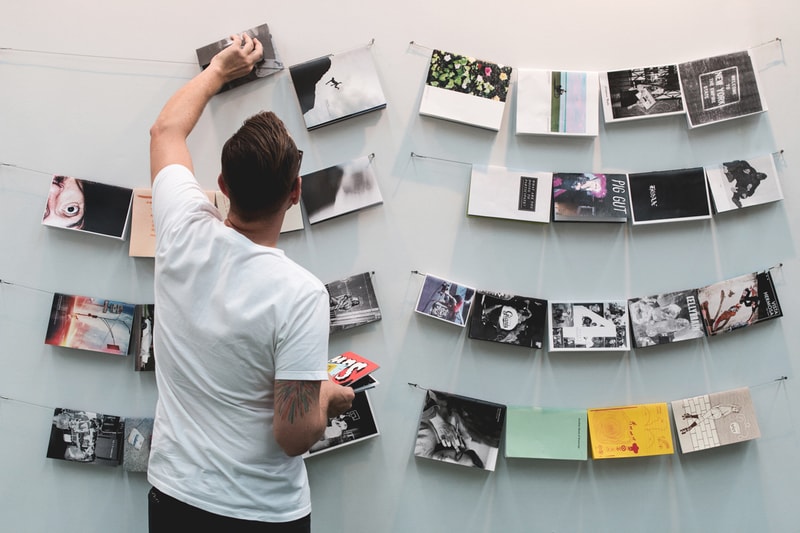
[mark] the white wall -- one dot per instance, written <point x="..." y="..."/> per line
<point x="89" y="117"/>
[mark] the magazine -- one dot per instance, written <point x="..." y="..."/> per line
<point x="352" y="370"/>
<point x="744" y="183"/>
<point x="589" y="326"/>
<point x="445" y="300"/>
<point x="590" y="197"/>
<point x="665" y="318"/>
<point x="86" y="437"/>
<point x="557" y="102"/>
<point x="508" y="319"/>
<point x="92" y="324"/>
<point x="340" y="189"/>
<point x="546" y="433"/>
<point x="639" y="93"/>
<point x="669" y="196"/>
<point x="355" y="425"/>
<point x="738" y="302"/>
<point x="499" y="192"/>
<point x="353" y="302"/>
<point x="715" y="419"/>
<point x="630" y="431"/>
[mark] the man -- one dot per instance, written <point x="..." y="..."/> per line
<point x="241" y="332"/>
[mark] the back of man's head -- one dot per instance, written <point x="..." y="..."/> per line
<point x="260" y="163"/>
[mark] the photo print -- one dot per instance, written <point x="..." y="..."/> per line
<point x="90" y="324"/>
<point x="86" y="437"/>
<point x="465" y="90"/>
<point x="594" y="326"/>
<point x="586" y="197"/>
<point x="88" y="206"/>
<point x="340" y="189"/>
<point x="354" y="425"/>
<point x="557" y="103"/>
<point x="353" y="302"/>
<point x="738" y="302"/>
<point x="744" y="183"/>
<point x="639" y="93"/>
<point x="499" y="192"/>
<point x="460" y="430"/>
<point x="508" y="319"/>
<point x="269" y="65"/>
<point x="666" y="318"/>
<point x="445" y="300"/>
<point x="337" y="87"/>
<point x="720" y="88"/>
<point x="669" y="196"/>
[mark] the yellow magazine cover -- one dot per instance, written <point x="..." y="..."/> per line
<point x="630" y="431"/>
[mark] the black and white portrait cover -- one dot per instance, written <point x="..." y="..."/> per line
<point x="500" y="192"/>
<point x="587" y="197"/>
<point x="353" y="302"/>
<point x="136" y="446"/>
<point x="557" y="103"/>
<point x="739" y="302"/>
<point x="337" y="87"/>
<point x="445" y="300"/>
<point x="665" y="318"/>
<point x="88" y="206"/>
<point x="340" y="189"/>
<point x="589" y="326"/>
<point x="642" y="92"/>
<point x="669" y="196"/>
<point x="720" y="88"/>
<point x="86" y="437"/>
<point x="744" y="183"/>
<point x="269" y="65"/>
<point x="354" y="425"/>
<point x="508" y="319"/>
<point x="460" y="430"/>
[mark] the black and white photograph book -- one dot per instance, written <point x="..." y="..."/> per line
<point x="508" y="319"/>
<point x="354" y="425"/>
<point x="720" y="88"/>
<point x="739" y="302"/>
<point x="466" y="90"/>
<point x="445" y="300"/>
<point x="744" y="183"/>
<point x="666" y="318"/>
<point x="499" y="192"/>
<point x="269" y="65"/>
<point x="86" y="437"/>
<point x="353" y="302"/>
<point x="589" y="326"/>
<point x="460" y="430"/>
<point x="669" y="196"/>
<point x="639" y="93"/>
<point x="553" y="102"/>
<point x="340" y="189"/>
<point x="338" y="86"/>
<point x="141" y="345"/>
<point x="589" y="197"/>
<point x="88" y="206"/>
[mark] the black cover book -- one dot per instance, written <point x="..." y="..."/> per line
<point x="508" y="319"/>
<point x="270" y="64"/>
<point x="669" y="196"/>
<point x="589" y="197"/>
<point x="665" y="318"/>
<point x="86" y="437"/>
<point x="739" y="302"/>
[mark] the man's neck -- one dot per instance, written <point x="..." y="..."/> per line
<point x="262" y="231"/>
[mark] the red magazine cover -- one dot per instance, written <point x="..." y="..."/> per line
<point x="352" y="370"/>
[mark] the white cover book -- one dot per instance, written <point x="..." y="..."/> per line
<point x="500" y="192"/>
<point x="557" y="102"/>
<point x="744" y="183"/>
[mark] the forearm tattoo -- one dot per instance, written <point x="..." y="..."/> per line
<point x="294" y="398"/>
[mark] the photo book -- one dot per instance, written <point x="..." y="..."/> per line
<point x="88" y="206"/>
<point x="643" y="92"/>
<point x="739" y="302"/>
<point x="353" y="302"/>
<point x="354" y="425"/>
<point x="336" y="87"/>
<point x="744" y="183"/>
<point x="465" y="90"/>
<point x="445" y="300"/>
<point x="499" y="192"/>
<point x="665" y="318"/>
<point x="589" y="326"/>
<point x="669" y="196"/>
<point x="590" y="197"/>
<point x="508" y="319"/>
<point x="92" y="324"/>
<point x="86" y="437"/>
<point x="630" y="431"/>
<point x="142" y="338"/>
<point x="352" y="370"/>
<point x="557" y="103"/>
<point x="546" y="433"/>
<point x="715" y="419"/>
<point x="720" y="88"/>
<point x="136" y="446"/>
<point x="269" y="65"/>
<point x="340" y="189"/>
<point x="460" y="430"/>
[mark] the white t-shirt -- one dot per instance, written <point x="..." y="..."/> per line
<point x="231" y="316"/>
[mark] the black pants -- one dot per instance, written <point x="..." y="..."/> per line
<point x="166" y="514"/>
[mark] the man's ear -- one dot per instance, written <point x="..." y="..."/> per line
<point x="294" y="196"/>
<point x="222" y="187"/>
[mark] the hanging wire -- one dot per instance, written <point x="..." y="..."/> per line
<point x="94" y="56"/>
<point x="414" y="154"/>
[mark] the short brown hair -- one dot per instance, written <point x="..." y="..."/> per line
<point x="260" y="163"/>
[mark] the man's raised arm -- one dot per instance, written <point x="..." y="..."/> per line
<point x="181" y="112"/>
